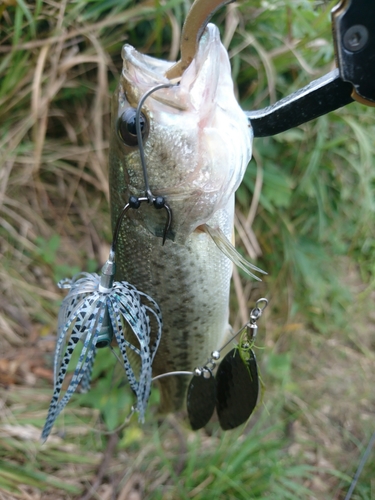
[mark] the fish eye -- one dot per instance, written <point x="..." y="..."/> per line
<point x="126" y="127"/>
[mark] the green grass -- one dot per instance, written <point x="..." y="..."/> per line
<point x="250" y="463"/>
<point x="308" y="197"/>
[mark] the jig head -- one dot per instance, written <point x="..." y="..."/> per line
<point x="98" y="308"/>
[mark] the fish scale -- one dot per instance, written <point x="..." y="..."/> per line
<point x="196" y="153"/>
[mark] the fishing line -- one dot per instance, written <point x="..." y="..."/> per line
<point x="117" y="429"/>
<point x="361" y="465"/>
<point x="115" y="354"/>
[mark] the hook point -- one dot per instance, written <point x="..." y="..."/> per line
<point x="168" y="223"/>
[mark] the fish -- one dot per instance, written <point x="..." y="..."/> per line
<point x="197" y="144"/>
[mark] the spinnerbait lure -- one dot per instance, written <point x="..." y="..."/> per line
<point x="90" y="315"/>
<point x="97" y="308"/>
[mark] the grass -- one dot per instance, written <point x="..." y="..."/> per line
<point x="223" y="464"/>
<point x="305" y="209"/>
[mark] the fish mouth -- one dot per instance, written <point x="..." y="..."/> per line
<point x="198" y="83"/>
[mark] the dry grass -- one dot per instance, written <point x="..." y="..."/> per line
<point x="49" y="167"/>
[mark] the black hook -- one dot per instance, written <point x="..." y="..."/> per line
<point x="134" y="203"/>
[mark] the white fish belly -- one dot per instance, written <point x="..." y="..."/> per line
<point x="191" y="284"/>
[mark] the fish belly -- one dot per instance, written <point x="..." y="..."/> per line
<point x="191" y="284"/>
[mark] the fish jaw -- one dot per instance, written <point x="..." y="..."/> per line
<point x="199" y="143"/>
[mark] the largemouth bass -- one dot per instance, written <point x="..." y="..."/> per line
<point x="197" y="146"/>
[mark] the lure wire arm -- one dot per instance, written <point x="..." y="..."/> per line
<point x="251" y="329"/>
<point x="149" y="194"/>
<point x="255" y="314"/>
<point x="135" y="202"/>
<point x="96" y="309"/>
<point x="107" y="275"/>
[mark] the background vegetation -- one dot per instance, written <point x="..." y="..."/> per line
<point x="305" y="210"/>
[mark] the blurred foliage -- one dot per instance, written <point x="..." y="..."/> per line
<point x="59" y="64"/>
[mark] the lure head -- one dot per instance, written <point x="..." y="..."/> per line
<point x="197" y="140"/>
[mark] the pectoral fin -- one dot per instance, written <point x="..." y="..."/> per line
<point x="229" y="251"/>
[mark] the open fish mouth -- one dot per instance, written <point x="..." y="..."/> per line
<point x="197" y="85"/>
